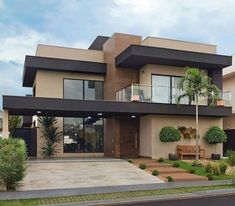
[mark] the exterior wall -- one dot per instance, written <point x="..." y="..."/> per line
<point x="116" y="79"/>
<point x="229" y="85"/>
<point x="160" y="149"/>
<point x="50" y="84"/>
<point x="180" y="45"/>
<point x="70" y="53"/>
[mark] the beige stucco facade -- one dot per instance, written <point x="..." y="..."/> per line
<point x="150" y="127"/>
<point x="180" y="45"/>
<point x="70" y="53"/>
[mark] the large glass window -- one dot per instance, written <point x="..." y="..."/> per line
<point x="93" y="90"/>
<point x="83" y="89"/>
<point x="83" y="135"/>
<point x="161" y="91"/>
<point x="73" y="89"/>
<point x="165" y="89"/>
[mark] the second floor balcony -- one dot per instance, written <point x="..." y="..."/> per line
<point x="165" y="95"/>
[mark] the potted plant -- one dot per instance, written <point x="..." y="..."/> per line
<point x="215" y="136"/>
<point x="170" y="134"/>
<point x="220" y="103"/>
<point x="135" y="93"/>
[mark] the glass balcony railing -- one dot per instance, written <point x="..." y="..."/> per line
<point x="161" y="94"/>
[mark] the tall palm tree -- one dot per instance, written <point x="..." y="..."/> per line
<point x="194" y="85"/>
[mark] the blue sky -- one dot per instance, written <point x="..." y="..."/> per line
<point x="75" y="23"/>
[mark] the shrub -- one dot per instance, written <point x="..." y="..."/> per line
<point x="231" y="158"/>
<point x="142" y="166"/>
<point x="215" y="135"/>
<point x="12" y="162"/>
<point x="170" y="179"/>
<point x="196" y="163"/>
<point x="160" y="159"/>
<point x="155" y="173"/>
<point x="223" y="167"/>
<point x="208" y="168"/>
<point x="192" y="171"/>
<point x="210" y="176"/>
<point x="169" y="134"/>
<point x="130" y="161"/>
<point x="176" y="164"/>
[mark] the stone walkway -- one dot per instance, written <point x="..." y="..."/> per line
<point x="83" y="173"/>
<point x="165" y="170"/>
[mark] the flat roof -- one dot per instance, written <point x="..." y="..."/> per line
<point x="34" y="63"/>
<point x="137" y="56"/>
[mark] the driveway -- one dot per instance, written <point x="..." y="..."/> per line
<point x="81" y="173"/>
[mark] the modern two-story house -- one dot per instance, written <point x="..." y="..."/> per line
<point x="113" y="98"/>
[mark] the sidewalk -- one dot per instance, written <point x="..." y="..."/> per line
<point x="107" y="189"/>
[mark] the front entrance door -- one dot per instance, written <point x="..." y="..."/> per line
<point x="129" y="137"/>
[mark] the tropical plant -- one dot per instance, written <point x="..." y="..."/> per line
<point x="13" y="157"/>
<point x="231" y="158"/>
<point x="215" y="135"/>
<point x="14" y="122"/>
<point x="194" y="85"/>
<point x="51" y="136"/>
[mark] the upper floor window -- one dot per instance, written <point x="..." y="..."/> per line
<point x="165" y="89"/>
<point x="83" y="89"/>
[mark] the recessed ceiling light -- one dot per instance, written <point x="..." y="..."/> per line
<point x="39" y="112"/>
<point x="133" y="116"/>
<point x="100" y="114"/>
<point x="88" y="117"/>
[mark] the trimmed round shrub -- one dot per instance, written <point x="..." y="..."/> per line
<point x="142" y="166"/>
<point x="170" y="179"/>
<point x="155" y="173"/>
<point x="176" y="164"/>
<point x="210" y="176"/>
<point x="160" y="159"/>
<point x="192" y="171"/>
<point x="215" y="135"/>
<point x="169" y="134"/>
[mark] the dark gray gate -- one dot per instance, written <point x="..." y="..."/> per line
<point x="30" y="137"/>
<point x="230" y="144"/>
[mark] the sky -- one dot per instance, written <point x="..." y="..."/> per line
<point x="76" y="23"/>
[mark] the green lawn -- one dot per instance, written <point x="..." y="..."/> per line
<point x="109" y="196"/>
<point x="198" y="170"/>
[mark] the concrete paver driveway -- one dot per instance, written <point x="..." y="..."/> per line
<point x="80" y="173"/>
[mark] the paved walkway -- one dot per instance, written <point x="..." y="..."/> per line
<point x="83" y="173"/>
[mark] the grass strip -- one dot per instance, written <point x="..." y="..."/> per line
<point x="109" y="196"/>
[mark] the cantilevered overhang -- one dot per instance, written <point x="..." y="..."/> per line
<point x="136" y="56"/>
<point x="28" y="106"/>
<point x="34" y="63"/>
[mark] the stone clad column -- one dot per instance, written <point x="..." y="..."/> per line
<point x="5" y="124"/>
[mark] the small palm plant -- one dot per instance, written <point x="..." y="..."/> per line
<point x="51" y="135"/>
<point x="194" y="85"/>
<point x="14" y="122"/>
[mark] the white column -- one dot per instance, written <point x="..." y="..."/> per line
<point x="5" y="124"/>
